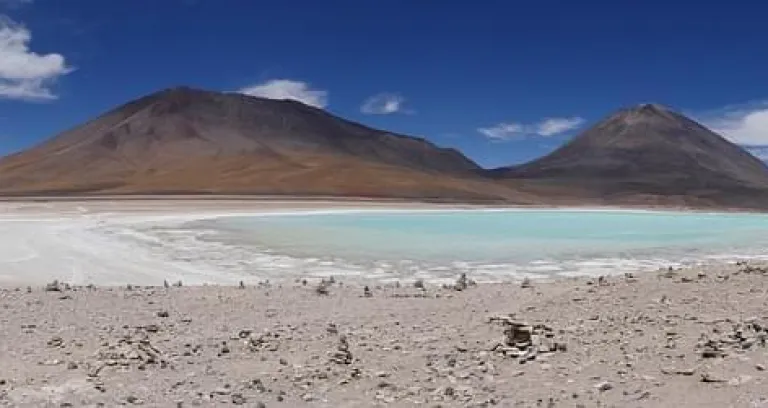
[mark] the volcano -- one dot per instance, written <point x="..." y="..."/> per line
<point x="189" y="141"/>
<point x="648" y="154"/>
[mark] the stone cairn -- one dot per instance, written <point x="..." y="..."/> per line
<point x="525" y="342"/>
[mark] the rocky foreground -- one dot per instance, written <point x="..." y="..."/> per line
<point x="688" y="338"/>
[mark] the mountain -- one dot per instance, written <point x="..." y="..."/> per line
<point x="648" y="154"/>
<point x="184" y="140"/>
<point x="188" y="141"/>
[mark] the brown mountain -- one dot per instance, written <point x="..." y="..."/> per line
<point x="183" y="140"/>
<point x="187" y="141"/>
<point x="648" y="155"/>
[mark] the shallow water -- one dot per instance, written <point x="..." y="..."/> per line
<point x="491" y="245"/>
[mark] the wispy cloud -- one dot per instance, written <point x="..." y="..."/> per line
<point x="745" y="124"/>
<point x="288" y="89"/>
<point x="384" y="103"/>
<point x="25" y="74"/>
<point x="545" y="128"/>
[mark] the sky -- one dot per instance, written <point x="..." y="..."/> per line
<point x="504" y="81"/>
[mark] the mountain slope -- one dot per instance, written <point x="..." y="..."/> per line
<point x="649" y="153"/>
<point x="187" y="140"/>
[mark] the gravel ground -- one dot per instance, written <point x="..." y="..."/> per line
<point x="682" y="338"/>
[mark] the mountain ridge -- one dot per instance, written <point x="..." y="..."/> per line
<point x="186" y="140"/>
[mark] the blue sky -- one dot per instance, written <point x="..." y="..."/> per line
<point x="504" y="81"/>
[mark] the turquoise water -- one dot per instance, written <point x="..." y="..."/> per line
<point x="492" y="243"/>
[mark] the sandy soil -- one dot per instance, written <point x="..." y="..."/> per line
<point x="692" y="338"/>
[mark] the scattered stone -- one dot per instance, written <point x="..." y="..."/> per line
<point x="526" y="342"/>
<point x="710" y="378"/>
<point x="55" y="342"/>
<point x="323" y="288"/>
<point x="239" y="399"/>
<point x="604" y="386"/>
<point x="462" y="283"/>
<point x="342" y="355"/>
<point x="53" y="286"/>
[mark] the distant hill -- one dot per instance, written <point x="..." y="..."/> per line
<point x="188" y="141"/>
<point x="648" y="154"/>
<point x="183" y="140"/>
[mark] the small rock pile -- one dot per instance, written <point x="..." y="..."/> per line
<point x="749" y="269"/>
<point x="266" y="341"/>
<point x="342" y="355"/>
<point x="743" y="336"/>
<point x="462" y="283"/>
<point x="129" y="352"/>
<point x="524" y="341"/>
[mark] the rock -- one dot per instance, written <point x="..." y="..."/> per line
<point x="526" y="283"/>
<point x="367" y="292"/>
<point x="308" y="397"/>
<point x="604" y="386"/>
<point x="323" y="288"/>
<point x="710" y="378"/>
<point x="53" y="287"/>
<point x="759" y="367"/>
<point x="55" y="342"/>
<point x="462" y="283"/>
<point x="163" y="313"/>
<point x="238" y="399"/>
<point x="342" y="355"/>
<point x="133" y="400"/>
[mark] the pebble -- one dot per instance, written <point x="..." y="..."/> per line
<point x="238" y="399"/>
<point x="604" y="386"/>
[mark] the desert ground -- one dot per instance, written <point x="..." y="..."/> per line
<point x="670" y="338"/>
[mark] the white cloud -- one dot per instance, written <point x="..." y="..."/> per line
<point x="25" y="74"/>
<point x="555" y="126"/>
<point x="384" y="104"/>
<point x="544" y="128"/>
<point x="288" y="89"/>
<point x="744" y="125"/>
